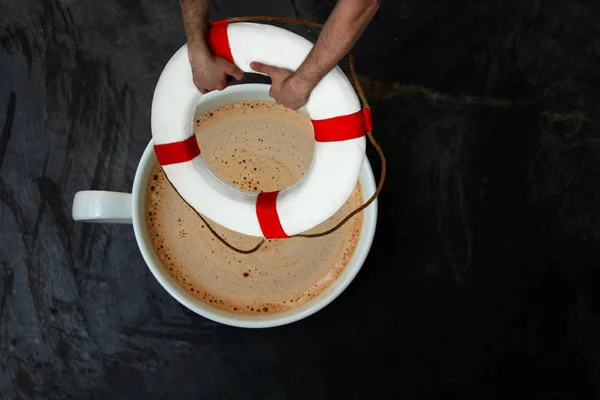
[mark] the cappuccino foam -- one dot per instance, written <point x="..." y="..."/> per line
<point x="256" y="146"/>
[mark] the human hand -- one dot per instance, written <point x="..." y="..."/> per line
<point x="286" y="88"/>
<point x="210" y="72"/>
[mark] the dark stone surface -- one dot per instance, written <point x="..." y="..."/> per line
<point x="483" y="279"/>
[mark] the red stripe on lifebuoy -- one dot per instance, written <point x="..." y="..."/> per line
<point x="177" y="152"/>
<point x="340" y="128"/>
<point x="367" y="121"/>
<point x="268" y="218"/>
<point x="218" y="41"/>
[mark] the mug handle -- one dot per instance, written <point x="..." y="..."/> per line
<point x="102" y="206"/>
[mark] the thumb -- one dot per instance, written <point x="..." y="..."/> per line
<point x="263" y="68"/>
<point x="234" y="71"/>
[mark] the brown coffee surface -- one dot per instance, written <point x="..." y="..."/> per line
<point x="256" y="146"/>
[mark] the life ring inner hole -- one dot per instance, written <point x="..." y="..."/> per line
<point x="255" y="162"/>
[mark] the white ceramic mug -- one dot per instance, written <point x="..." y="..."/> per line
<point x="114" y="207"/>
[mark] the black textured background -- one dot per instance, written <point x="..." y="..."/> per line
<point x="483" y="281"/>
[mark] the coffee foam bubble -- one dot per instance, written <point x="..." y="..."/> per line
<point x="256" y="146"/>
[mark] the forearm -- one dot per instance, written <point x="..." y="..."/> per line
<point x="195" y="20"/>
<point x="341" y="31"/>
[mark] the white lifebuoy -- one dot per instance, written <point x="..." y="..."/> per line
<point x="338" y="122"/>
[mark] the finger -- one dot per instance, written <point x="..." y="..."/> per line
<point x="263" y="68"/>
<point x="234" y="71"/>
<point x="221" y="85"/>
<point x="275" y="98"/>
